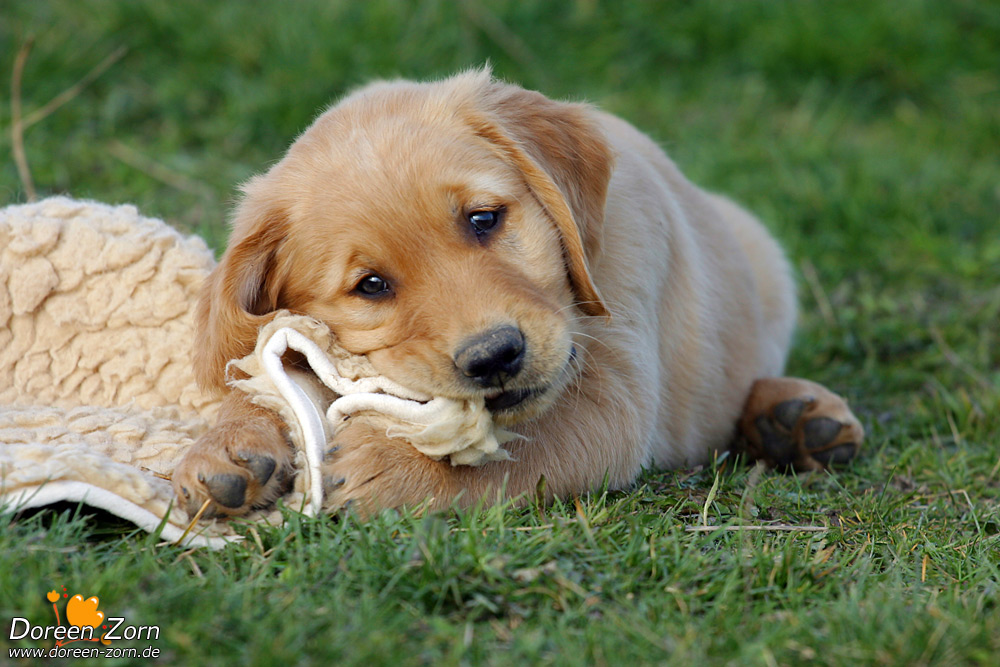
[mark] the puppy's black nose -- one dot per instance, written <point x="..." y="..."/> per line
<point x="493" y="357"/>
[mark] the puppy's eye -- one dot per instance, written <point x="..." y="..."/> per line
<point x="484" y="221"/>
<point x="372" y="285"/>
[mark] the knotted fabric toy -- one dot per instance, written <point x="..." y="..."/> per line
<point x="344" y="386"/>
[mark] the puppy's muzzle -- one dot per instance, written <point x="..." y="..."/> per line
<point x="493" y="358"/>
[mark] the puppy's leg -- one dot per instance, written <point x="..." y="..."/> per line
<point x="574" y="452"/>
<point x="369" y="471"/>
<point x="244" y="461"/>
<point x="789" y="422"/>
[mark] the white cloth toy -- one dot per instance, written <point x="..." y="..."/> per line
<point x="438" y="427"/>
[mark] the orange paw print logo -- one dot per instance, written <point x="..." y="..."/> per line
<point x="82" y="612"/>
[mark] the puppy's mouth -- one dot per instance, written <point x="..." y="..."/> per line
<point x="508" y="400"/>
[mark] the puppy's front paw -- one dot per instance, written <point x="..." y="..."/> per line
<point x="365" y="471"/>
<point x="238" y="465"/>
<point x="789" y="422"/>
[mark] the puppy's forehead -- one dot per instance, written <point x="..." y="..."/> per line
<point x="391" y="165"/>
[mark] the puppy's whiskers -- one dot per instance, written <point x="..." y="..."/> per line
<point x="593" y="338"/>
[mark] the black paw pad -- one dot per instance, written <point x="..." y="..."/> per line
<point x="227" y="489"/>
<point x="820" y="432"/>
<point x="788" y="412"/>
<point x="778" y="447"/>
<point x="260" y="465"/>
<point x="835" y="456"/>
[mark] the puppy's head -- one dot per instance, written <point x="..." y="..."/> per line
<point x="443" y="229"/>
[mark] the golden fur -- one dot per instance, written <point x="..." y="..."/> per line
<point x="648" y="306"/>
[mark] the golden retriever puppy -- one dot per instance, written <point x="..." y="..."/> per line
<point x="477" y="239"/>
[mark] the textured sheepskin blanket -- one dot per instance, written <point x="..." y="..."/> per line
<point x="97" y="398"/>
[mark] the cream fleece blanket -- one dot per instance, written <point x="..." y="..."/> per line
<point x="97" y="398"/>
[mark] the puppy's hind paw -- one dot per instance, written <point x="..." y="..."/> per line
<point x="795" y="423"/>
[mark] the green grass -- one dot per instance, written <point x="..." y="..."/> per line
<point x="866" y="135"/>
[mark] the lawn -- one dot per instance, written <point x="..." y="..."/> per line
<point x="865" y="134"/>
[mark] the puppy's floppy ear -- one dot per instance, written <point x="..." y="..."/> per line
<point x="566" y="162"/>
<point x="241" y="291"/>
